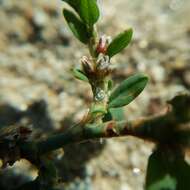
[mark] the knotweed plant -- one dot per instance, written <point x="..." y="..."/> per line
<point x="167" y="168"/>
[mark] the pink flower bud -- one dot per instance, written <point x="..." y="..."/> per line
<point x="102" y="45"/>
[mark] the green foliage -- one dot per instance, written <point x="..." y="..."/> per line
<point x="116" y="114"/>
<point x="77" y="26"/>
<point x="127" y="91"/>
<point x="79" y="75"/>
<point x="119" y="42"/>
<point x="167" y="170"/>
<point x="89" y="12"/>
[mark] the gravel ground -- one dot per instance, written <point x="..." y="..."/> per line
<point x="37" y="52"/>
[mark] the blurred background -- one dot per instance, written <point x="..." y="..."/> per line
<point x="37" y="51"/>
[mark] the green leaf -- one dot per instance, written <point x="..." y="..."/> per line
<point x="77" y="27"/>
<point x="127" y="91"/>
<point x="119" y="42"/>
<point x="158" y="177"/>
<point x="89" y="11"/>
<point x="167" y="171"/>
<point x="116" y="114"/>
<point x="79" y="75"/>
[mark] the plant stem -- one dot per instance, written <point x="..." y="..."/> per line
<point x="92" y="42"/>
<point x="163" y="128"/>
<point x="159" y="128"/>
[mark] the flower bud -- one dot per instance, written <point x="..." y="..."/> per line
<point x="103" y="62"/>
<point x="87" y="65"/>
<point x="102" y="45"/>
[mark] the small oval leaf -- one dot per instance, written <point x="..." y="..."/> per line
<point x="77" y="27"/>
<point x="127" y="91"/>
<point x="158" y="177"/>
<point x="116" y="114"/>
<point x="167" y="170"/>
<point x="119" y="42"/>
<point x="89" y="11"/>
<point x="79" y="75"/>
